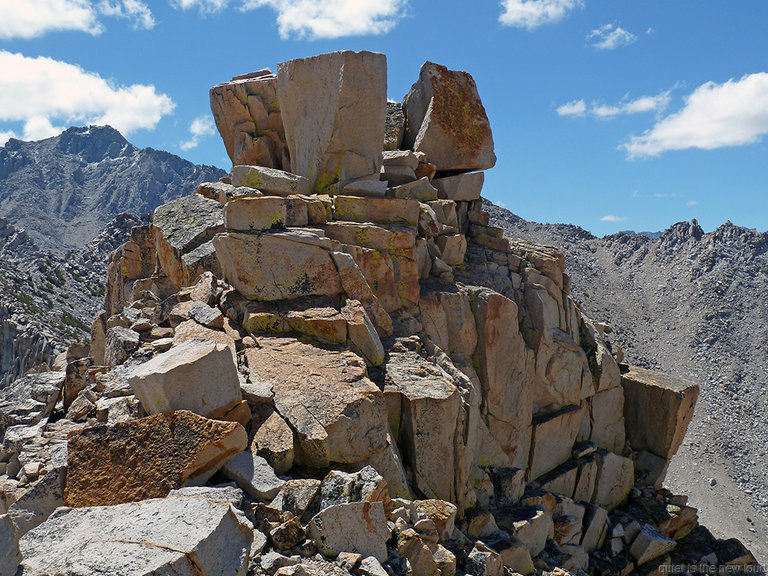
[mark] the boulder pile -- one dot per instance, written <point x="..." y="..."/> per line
<point x="329" y="363"/>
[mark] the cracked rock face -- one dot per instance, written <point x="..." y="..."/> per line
<point x="336" y="412"/>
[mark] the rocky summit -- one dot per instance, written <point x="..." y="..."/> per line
<point x="328" y="362"/>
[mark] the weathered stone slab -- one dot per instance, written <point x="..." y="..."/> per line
<point x="247" y="115"/>
<point x="607" y="418"/>
<point x="394" y="127"/>
<point x="141" y="539"/>
<point x="256" y="214"/>
<point x="336" y="412"/>
<point x="359" y="527"/>
<point x="615" y="478"/>
<point x="191" y="330"/>
<point x="274" y="442"/>
<point x="392" y="239"/>
<point x="657" y="409"/>
<point x="9" y="547"/>
<point x="650" y="544"/>
<point x="179" y="227"/>
<point x="446" y="120"/>
<point x="553" y="439"/>
<point x="452" y="248"/>
<point x="270" y="180"/>
<point x="400" y="158"/>
<point x="197" y="375"/>
<point x="460" y="188"/>
<point x="365" y="187"/>
<point x="377" y="210"/>
<point x="420" y="190"/>
<point x="361" y="333"/>
<point x="39" y="501"/>
<point x="505" y="368"/>
<point x="337" y="134"/>
<point x="146" y="458"/>
<point x="27" y="400"/>
<point x="277" y="266"/>
<point x="253" y="474"/>
<point x="429" y="411"/>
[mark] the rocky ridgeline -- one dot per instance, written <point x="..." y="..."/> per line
<point x="329" y="363"/>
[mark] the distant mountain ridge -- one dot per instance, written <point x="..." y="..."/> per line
<point x="65" y="204"/>
<point x="64" y="190"/>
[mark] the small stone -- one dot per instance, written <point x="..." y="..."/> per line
<point x="254" y="475"/>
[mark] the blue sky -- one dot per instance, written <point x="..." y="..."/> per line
<point x="609" y="114"/>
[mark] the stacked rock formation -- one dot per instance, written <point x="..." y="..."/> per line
<point x="329" y="363"/>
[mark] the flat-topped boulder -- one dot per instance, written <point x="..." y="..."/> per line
<point x="196" y="375"/>
<point x="141" y="539"/>
<point x="446" y="120"/>
<point x="334" y="109"/>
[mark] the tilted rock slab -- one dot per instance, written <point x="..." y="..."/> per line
<point x="197" y="375"/>
<point x="657" y="409"/>
<point x="278" y="266"/>
<point x="359" y="527"/>
<point x="247" y="115"/>
<point x="424" y="406"/>
<point x="446" y="120"/>
<point x="179" y="227"/>
<point x="334" y="109"/>
<point x="147" y="458"/>
<point x="337" y="414"/>
<point x="183" y="536"/>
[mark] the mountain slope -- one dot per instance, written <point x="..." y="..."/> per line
<point x="693" y="304"/>
<point x="64" y="190"/>
<point x="68" y="202"/>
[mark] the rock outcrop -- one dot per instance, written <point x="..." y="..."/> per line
<point x="393" y="386"/>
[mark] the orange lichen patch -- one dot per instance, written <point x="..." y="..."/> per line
<point x="457" y="108"/>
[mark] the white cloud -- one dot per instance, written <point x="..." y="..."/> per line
<point x="575" y="108"/>
<point x="5" y="136"/>
<point x="134" y="10"/>
<point x="657" y="103"/>
<point x="33" y="18"/>
<point x="691" y="203"/>
<point x="531" y="14"/>
<point x="40" y="128"/>
<point x="39" y="91"/>
<point x="205" y="6"/>
<point x="612" y="218"/>
<point x="734" y="113"/>
<point x="201" y="127"/>
<point x="611" y="37"/>
<point x="314" y="19"/>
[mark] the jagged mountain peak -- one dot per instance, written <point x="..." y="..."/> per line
<point x="94" y="143"/>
